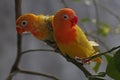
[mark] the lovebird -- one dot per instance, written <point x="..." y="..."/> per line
<point x="69" y="37"/>
<point x="39" y="25"/>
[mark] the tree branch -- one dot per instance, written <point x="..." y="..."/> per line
<point x="33" y="50"/>
<point x="100" y="54"/>
<point x="79" y="65"/>
<point x="19" y="42"/>
<point x="15" y="69"/>
<point x="97" y="39"/>
<point x="19" y="37"/>
<point x="37" y="74"/>
<point x="109" y="11"/>
<point x="64" y="3"/>
<point x="97" y="14"/>
<point x="73" y="61"/>
<point x="11" y="75"/>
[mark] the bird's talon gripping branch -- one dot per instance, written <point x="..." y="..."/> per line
<point x="86" y="61"/>
<point x="83" y="60"/>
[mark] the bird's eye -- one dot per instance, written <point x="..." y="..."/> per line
<point x="65" y="17"/>
<point x="23" y="23"/>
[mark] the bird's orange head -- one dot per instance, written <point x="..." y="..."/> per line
<point x="26" y="23"/>
<point x="64" y="23"/>
<point x="65" y="16"/>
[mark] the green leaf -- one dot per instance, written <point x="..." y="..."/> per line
<point x="102" y="74"/>
<point x="99" y="76"/>
<point x="104" y="29"/>
<point x="96" y="67"/>
<point x="84" y="20"/>
<point x="108" y="57"/>
<point x="112" y="71"/>
<point x="117" y="60"/>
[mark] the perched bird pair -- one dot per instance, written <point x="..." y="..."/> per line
<point x="61" y="28"/>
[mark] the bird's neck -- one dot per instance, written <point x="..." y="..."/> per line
<point x="65" y="35"/>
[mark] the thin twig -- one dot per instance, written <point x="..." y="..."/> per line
<point x="97" y="14"/>
<point x="33" y="50"/>
<point x="15" y="69"/>
<point x="100" y="54"/>
<point x="76" y="63"/>
<point x="11" y="75"/>
<point x="37" y="74"/>
<point x="19" y="41"/>
<point x="73" y="61"/>
<point x="109" y="11"/>
<point x="64" y="3"/>
<point x="98" y="39"/>
<point x="79" y="65"/>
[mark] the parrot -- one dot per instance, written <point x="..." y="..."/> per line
<point x="69" y="37"/>
<point x="39" y="25"/>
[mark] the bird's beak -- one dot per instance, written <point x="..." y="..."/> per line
<point x="74" y="20"/>
<point x="20" y="30"/>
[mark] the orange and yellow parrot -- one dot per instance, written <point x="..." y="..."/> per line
<point x="39" y="25"/>
<point x="69" y="37"/>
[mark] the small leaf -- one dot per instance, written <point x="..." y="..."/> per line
<point x="99" y="76"/>
<point x="96" y="67"/>
<point x="102" y="74"/>
<point x="117" y="60"/>
<point x="84" y="20"/>
<point x="112" y="71"/>
<point x="108" y="57"/>
<point x="104" y="29"/>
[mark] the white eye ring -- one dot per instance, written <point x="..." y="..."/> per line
<point x="65" y="17"/>
<point x="23" y="23"/>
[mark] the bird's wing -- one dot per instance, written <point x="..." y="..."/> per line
<point x="82" y="39"/>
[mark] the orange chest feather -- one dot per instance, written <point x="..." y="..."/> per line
<point x="64" y="36"/>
